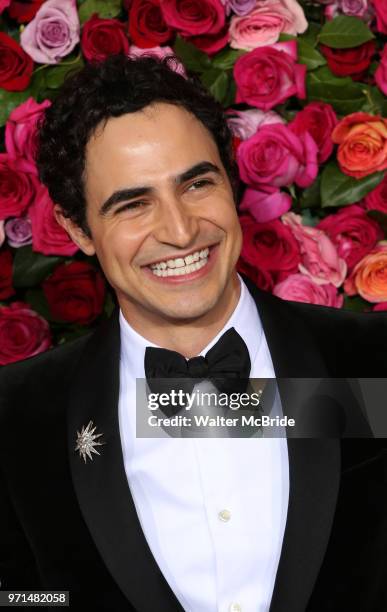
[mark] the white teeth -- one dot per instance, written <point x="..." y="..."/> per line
<point x="179" y="262"/>
<point x="181" y="270"/>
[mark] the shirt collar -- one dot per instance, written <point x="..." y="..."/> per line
<point x="244" y="318"/>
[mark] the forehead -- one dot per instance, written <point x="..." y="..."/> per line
<point x="161" y="138"/>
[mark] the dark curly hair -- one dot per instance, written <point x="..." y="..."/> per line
<point x="107" y="89"/>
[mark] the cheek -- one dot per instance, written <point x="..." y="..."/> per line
<point x="117" y="245"/>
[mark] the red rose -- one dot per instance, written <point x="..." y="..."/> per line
<point x="261" y="278"/>
<point x="75" y="292"/>
<point x="269" y="75"/>
<point x="103" y="37"/>
<point x="352" y="232"/>
<point x="351" y="62"/>
<point x="202" y="22"/>
<point x="377" y="198"/>
<point x="147" y="26"/>
<point x="23" y="333"/>
<point x="319" y="119"/>
<point x="6" y="287"/>
<point x="15" y="65"/>
<point x="48" y="237"/>
<point x="18" y="187"/>
<point x="269" y="246"/>
<point x="24" y="11"/>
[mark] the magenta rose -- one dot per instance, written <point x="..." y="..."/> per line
<point x="53" y="33"/>
<point x="18" y="187"/>
<point x="18" y="231"/>
<point x="4" y="4"/>
<point x="202" y="22"/>
<point x="265" y="204"/>
<point x="269" y="246"/>
<point x="277" y="157"/>
<point x="377" y="198"/>
<point x="301" y="288"/>
<point x="265" y="23"/>
<point x="382" y="306"/>
<point x="352" y="232"/>
<point x="319" y="258"/>
<point x="381" y="72"/>
<point x="48" y="237"/>
<point x="23" y="333"/>
<point x="268" y="76"/>
<point x="21" y="130"/>
<point x="319" y="119"/>
<point x="380" y="8"/>
<point x="244" y="124"/>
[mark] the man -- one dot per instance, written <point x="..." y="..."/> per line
<point x="138" y="159"/>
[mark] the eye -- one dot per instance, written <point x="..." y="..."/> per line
<point x="131" y="206"/>
<point x="199" y="184"/>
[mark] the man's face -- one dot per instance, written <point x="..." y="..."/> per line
<point x="158" y="197"/>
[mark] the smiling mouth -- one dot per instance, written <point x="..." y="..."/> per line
<point x="181" y="265"/>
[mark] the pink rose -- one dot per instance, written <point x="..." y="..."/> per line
<point x="270" y="246"/>
<point x="265" y="204"/>
<point x="4" y="4"/>
<point x="53" y="33"/>
<point x="202" y="22"/>
<point x="380" y="7"/>
<point x="380" y="307"/>
<point x="277" y="157"/>
<point x="48" y="237"/>
<point x="319" y="119"/>
<point x="381" y="72"/>
<point x="268" y="76"/>
<point x="352" y="232"/>
<point x="319" y="258"/>
<point x="21" y="130"/>
<point x="356" y="8"/>
<point x="159" y="53"/>
<point x="265" y="23"/>
<point x="377" y="198"/>
<point x="18" y="187"/>
<point x="23" y="333"/>
<point x="301" y="288"/>
<point x="244" y="124"/>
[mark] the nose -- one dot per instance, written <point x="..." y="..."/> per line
<point x="176" y="224"/>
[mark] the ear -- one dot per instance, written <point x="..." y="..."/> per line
<point x="76" y="233"/>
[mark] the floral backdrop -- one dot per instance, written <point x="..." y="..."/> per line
<point x="304" y="86"/>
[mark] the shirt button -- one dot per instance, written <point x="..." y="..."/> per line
<point x="235" y="607"/>
<point x="225" y="515"/>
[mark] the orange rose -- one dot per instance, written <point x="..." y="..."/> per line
<point x="362" y="140"/>
<point x="369" y="276"/>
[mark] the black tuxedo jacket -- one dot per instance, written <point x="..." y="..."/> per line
<point x="67" y="525"/>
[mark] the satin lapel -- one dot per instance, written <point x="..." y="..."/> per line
<point x="101" y="485"/>
<point x="314" y="465"/>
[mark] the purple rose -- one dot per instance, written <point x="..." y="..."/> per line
<point x="53" y="33"/>
<point x="239" y="7"/>
<point x="18" y="232"/>
<point x="244" y="124"/>
<point x="355" y="8"/>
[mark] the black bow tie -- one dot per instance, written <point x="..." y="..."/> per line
<point x="227" y="364"/>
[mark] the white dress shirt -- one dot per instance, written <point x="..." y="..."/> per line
<point x="213" y="510"/>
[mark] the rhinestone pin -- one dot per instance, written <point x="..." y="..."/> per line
<point x="86" y="441"/>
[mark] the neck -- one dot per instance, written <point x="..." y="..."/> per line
<point x="188" y="337"/>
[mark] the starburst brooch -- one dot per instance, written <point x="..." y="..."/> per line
<point x="86" y="441"/>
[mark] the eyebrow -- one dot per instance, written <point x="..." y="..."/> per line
<point x="123" y="195"/>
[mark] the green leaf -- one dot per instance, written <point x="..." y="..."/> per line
<point x="345" y="95"/>
<point x="308" y="55"/>
<point x="375" y="103"/>
<point x="380" y="217"/>
<point x="311" y="197"/>
<point x="311" y="34"/>
<point x="30" y="268"/>
<point x="192" y="58"/>
<point x="104" y="8"/>
<point x="308" y="218"/>
<point x="344" y="32"/>
<point x="217" y="82"/>
<point x="38" y="302"/>
<point x="10" y="100"/>
<point x="338" y="189"/>
<point x="54" y="77"/>
<point x="226" y="59"/>
<point x="356" y="304"/>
